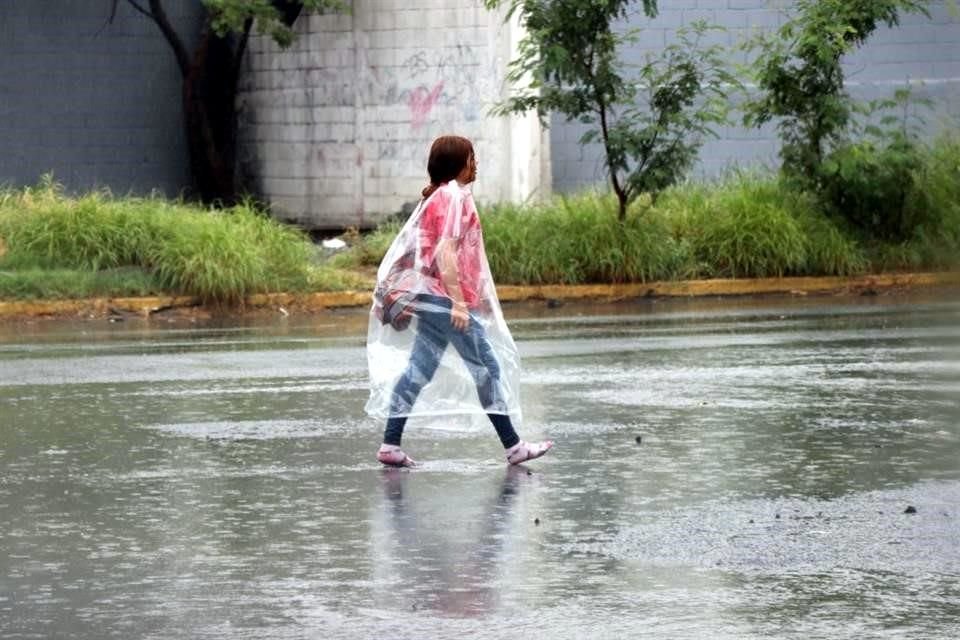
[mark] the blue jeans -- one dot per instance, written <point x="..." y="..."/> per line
<point x="434" y="333"/>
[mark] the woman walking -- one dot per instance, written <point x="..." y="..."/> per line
<point x="434" y="290"/>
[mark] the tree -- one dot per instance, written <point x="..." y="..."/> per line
<point x="650" y="125"/>
<point x="800" y="76"/>
<point x="211" y="74"/>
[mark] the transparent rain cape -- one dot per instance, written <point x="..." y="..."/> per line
<point x="420" y="365"/>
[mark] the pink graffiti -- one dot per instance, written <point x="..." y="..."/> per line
<point x="421" y="103"/>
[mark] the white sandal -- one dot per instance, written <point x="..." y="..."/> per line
<point x="393" y="456"/>
<point x="523" y="451"/>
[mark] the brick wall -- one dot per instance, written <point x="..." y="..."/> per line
<point x="97" y="104"/>
<point x="921" y="50"/>
<point x="336" y="130"/>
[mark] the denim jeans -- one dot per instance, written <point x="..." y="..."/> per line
<point x="434" y="333"/>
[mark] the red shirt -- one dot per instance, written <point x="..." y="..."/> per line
<point x="440" y="221"/>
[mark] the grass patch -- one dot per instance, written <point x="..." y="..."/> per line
<point x="225" y="256"/>
<point x="366" y="250"/>
<point x="327" y="278"/>
<point x="578" y="239"/>
<point x="751" y="225"/>
<point x="218" y="256"/>
<point x="745" y="230"/>
<point x="55" y="284"/>
<point x="937" y="243"/>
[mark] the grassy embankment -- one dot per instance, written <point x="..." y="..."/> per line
<point x="747" y="225"/>
<point x="53" y="246"/>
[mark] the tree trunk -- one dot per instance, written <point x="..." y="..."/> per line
<point x="210" y="118"/>
<point x="614" y="179"/>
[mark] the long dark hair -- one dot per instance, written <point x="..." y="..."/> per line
<point x="448" y="156"/>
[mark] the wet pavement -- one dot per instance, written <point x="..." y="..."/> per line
<point x="724" y="469"/>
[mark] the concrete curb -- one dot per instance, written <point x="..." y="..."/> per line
<point x="733" y="287"/>
<point x="315" y="302"/>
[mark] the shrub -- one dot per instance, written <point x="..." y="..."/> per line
<point x="868" y="184"/>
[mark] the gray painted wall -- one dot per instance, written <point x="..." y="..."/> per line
<point x="97" y="104"/>
<point x="919" y="50"/>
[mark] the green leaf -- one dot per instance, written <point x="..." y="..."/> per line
<point x="231" y="16"/>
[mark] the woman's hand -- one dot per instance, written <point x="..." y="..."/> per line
<point x="459" y="316"/>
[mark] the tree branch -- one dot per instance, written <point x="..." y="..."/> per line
<point x="135" y="6"/>
<point x="160" y="17"/>
<point x="113" y="15"/>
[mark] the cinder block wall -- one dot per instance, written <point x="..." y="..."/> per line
<point x="922" y="51"/>
<point x="97" y="104"/>
<point x="336" y="130"/>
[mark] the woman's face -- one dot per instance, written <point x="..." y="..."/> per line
<point x="469" y="172"/>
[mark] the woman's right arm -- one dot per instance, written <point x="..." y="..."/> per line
<point x="450" y="276"/>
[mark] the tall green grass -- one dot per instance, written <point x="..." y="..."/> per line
<point x="44" y="229"/>
<point x="747" y="225"/>
<point x="578" y="239"/>
<point x="751" y="225"/>
<point x="937" y="243"/>
<point x="218" y="256"/>
<point x="224" y="256"/>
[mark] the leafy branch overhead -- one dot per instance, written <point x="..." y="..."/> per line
<point x="650" y="119"/>
<point x="272" y="18"/>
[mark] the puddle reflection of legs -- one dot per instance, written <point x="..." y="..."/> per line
<point x="439" y="568"/>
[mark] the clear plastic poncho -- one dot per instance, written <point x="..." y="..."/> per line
<point x="420" y="363"/>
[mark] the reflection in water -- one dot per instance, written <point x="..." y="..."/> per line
<point x="441" y="551"/>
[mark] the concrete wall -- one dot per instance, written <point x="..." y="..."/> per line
<point x="97" y="104"/>
<point x="922" y="51"/>
<point x="336" y="130"/>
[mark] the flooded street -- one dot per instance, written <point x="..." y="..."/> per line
<point x="784" y="468"/>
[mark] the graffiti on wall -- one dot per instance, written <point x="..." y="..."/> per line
<point x="459" y="79"/>
<point x="450" y="85"/>
<point x="421" y="103"/>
